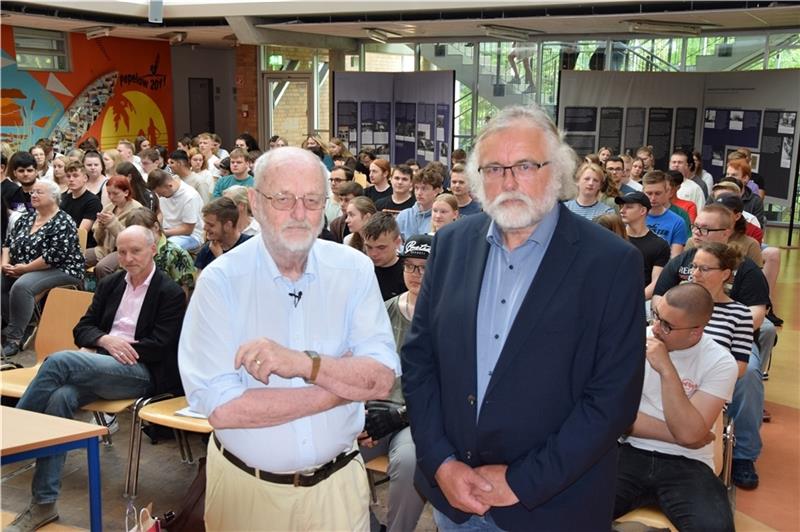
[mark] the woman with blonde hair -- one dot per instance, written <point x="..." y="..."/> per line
<point x="59" y="175"/>
<point x="314" y="144"/>
<point x="111" y="158"/>
<point x="444" y="211"/>
<point x="359" y="210"/>
<point x="589" y="178"/>
<point x="247" y="224"/>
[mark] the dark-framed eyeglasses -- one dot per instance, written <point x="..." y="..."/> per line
<point x="701" y="268"/>
<point x="414" y="268"/>
<point x="520" y="170"/>
<point x="286" y="202"/>
<point x="667" y="327"/>
<point x="703" y="231"/>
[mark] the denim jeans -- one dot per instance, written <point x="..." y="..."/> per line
<point x="66" y="381"/>
<point x="187" y="242"/>
<point x="475" y="523"/>
<point x="686" y="490"/>
<point x="19" y="297"/>
<point x="747" y="409"/>
<point x="405" y="503"/>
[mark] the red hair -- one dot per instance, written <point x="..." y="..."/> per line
<point x="121" y="183"/>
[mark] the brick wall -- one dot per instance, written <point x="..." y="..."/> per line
<point x="247" y="91"/>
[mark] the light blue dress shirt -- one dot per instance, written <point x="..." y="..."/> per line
<point x="242" y="296"/>
<point x="506" y="280"/>
<point x="413" y="221"/>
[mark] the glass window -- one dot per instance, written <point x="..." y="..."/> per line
<point x="725" y="53"/>
<point x="284" y="58"/>
<point x="784" y="50"/>
<point x="647" y="55"/>
<point x="389" y="57"/>
<point x="40" y="49"/>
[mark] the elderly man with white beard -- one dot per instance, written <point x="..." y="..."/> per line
<point x="285" y="337"/>
<point x="516" y="418"/>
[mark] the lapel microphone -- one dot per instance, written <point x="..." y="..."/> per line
<point x="296" y="296"/>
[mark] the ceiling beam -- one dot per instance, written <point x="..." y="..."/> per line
<point x="248" y="32"/>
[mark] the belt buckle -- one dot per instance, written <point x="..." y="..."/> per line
<point x="304" y="473"/>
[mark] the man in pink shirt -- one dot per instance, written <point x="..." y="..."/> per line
<point x="128" y="340"/>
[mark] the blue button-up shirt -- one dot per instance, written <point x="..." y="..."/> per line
<point x="506" y="280"/>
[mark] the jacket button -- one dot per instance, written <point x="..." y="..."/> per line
<point x="471" y="400"/>
<point x="468" y="455"/>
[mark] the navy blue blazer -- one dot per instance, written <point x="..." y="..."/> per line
<point x="567" y="383"/>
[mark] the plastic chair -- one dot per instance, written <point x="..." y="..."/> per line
<point x="379" y="464"/>
<point x="160" y="410"/>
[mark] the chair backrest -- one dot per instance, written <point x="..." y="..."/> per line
<point x="62" y="311"/>
<point x="719" y="443"/>
<point x="83" y="238"/>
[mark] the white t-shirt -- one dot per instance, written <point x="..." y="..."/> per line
<point x="202" y="184"/>
<point x="183" y="207"/>
<point x="706" y="367"/>
<point x="691" y="191"/>
<point x="212" y="166"/>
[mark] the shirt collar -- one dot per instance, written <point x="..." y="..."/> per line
<point x="275" y="274"/>
<point x="146" y="282"/>
<point x="540" y="236"/>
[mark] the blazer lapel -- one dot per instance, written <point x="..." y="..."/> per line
<point x="552" y="273"/>
<point x="148" y="305"/>
<point x="475" y="263"/>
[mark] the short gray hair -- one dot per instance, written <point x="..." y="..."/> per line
<point x="147" y="234"/>
<point x="52" y="188"/>
<point x="268" y="158"/>
<point x="562" y="156"/>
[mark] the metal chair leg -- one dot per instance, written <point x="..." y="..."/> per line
<point x="101" y="420"/>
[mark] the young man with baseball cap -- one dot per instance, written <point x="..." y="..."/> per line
<point x="633" y="208"/>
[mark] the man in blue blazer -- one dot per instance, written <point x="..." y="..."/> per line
<point x="525" y="358"/>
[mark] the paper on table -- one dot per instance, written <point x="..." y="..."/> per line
<point x="188" y="412"/>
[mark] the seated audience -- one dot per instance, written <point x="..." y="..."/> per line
<point x="660" y="219"/>
<point x="700" y="173"/>
<point x="347" y="191"/>
<point x="443" y="211"/>
<point x="22" y="169"/>
<point x="13" y="194"/>
<point x="240" y="173"/>
<point x="459" y="186"/>
<point x="729" y="188"/>
<point x="315" y="145"/>
<point x="95" y="170"/>
<point x="40" y="253"/>
<point x="381" y="242"/>
<point x="629" y="181"/>
<point x="386" y="428"/>
<point x="133" y="325"/>
<point x="668" y="457"/>
<point x="79" y="203"/>
<point x="589" y="178"/>
<point x="740" y="169"/>
<point x="59" y="172"/>
<point x="141" y="193"/>
<point x="246" y="142"/>
<point x="180" y="206"/>
<point x="179" y="165"/>
<point x="645" y="154"/>
<point x="333" y="205"/>
<point x="110" y="222"/>
<point x="205" y="144"/>
<point x="683" y="208"/>
<point x="613" y="222"/>
<point x="43" y="168"/>
<point x="682" y="161"/>
<point x="609" y="189"/>
<point x="427" y="185"/>
<point x="111" y="158"/>
<point x="402" y="196"/>
<point x="220" y="218"/>
<point x="633" y="208"/>
<point x="247" y="224"/>
<point x="358" y="211"/>
<point x="379" y="170"/>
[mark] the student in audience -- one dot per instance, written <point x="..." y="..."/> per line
<point x="746" y="245"/>
<point x="739" y="169"/>
<point x="636" y="174"/>
<point x="700" y="173"/>
<point x="180" y="206"/>
<point x="668" y="455"/>
<point x="126" y="153"/>
<point x="41" y="252"/>
<point x="402" y="194"/>
<point x="731" y="323"/>
<point x="443" y="211"/>
<point x="246" y="142"/>
<point x="311" y="318"/>
<point x="199" y="165"/>
<point x="78" y="202"/>
<point x="43" y="168"/>
<point x="185" y="143"/>
<point x="338" y="148"/>
<point x="110" y="222"/>
<point x="714" y="223"/>
<point x="459" y="186"/>
<point x="220" y="218"/>
<point x="381" y="242"/>
<point x="347" y="191"/>
<point x="682" y="161"/>
<point x="683" y="208"/>
<point x="179" y="164"/>
<point x="386" y="428"/>
<point x="633" y="209"/>
<point x="205" y="144"/>
<point x="59" y="172"/>
<point x="728" y="187"/>
<point x="240" y="173"/>
<point x="609" y="189"/>
<point x="22" y="169"/>
<point x="613" y="222"/>
<point x="333" y="205"/>
<point x="414" y="165"/>
<point x="111" y="158"/>
<point x="358" y="211"/>
<point x="625" y="184"/>
<point x="96" y="177"/>
<point x="604" y="154"/>
<point x="315" y="145"/>
<point x="365" y="158"/>
<point x="247" y="224"/>
<point x="133" y="323"/>
<point x="589" y="178"/>
<point x="150" y="160"/>
<point x="379" y="170"/>
<point x="645" y="154"/>
<point x="141" y="193"/>
<point x="12" y="192"/>
<point x="140" y="144"/>
<point x="660" y="219"/>
<point x="427" y="185"/>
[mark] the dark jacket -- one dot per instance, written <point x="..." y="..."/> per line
<point x="157" y="330"/>
<point x="567" y="384"/>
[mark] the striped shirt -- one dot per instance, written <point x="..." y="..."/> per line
<point x="731" y="326"/>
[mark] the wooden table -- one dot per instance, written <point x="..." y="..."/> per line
<point x="27" y="435"/>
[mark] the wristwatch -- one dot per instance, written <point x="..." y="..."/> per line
<point x="315" y="360"/>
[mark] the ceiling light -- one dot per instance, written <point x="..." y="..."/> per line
<point x="95" y="32"/>
<point x="177" y="38"/>
<point x="656" y="27"/>
<point x="509" y="33"/>
<point x="381" y="36"/>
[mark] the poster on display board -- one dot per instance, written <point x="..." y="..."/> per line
<point x="580" y="119"/>
<point x="443" y="133"/>
<point x="611" y="128"/>
<point x="426" y="133"/>
<point x="375" y="128"/>
<point x="727" y="127"/>
<point x="634" y="128"/>
<point x="777" y="147"/>
<point x="405" y="139"/>
<point x="685" y="125"/>
<point x="659" y="134"/>
<point x="347" y="124"/>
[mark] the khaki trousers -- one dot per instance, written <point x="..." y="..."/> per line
<point x="238" y="501"/>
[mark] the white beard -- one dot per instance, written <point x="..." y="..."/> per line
<point x="531" y="212"/>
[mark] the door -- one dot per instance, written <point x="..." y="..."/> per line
<point x="290" y="106"/>
<point x="201" y="105"/>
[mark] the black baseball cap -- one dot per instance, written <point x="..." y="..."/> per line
<point x="731" y="201"/>
<point x="416" y="247"/>
<point x="634" y="197"/>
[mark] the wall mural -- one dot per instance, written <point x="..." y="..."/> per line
<point x="109" y="93"/>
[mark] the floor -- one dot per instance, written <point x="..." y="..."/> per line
<point x="775" y="505"/>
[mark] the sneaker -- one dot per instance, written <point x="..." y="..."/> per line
<point x="11" y="348"/>
<point x="33" y="517"/>
<point x="776" y="321"/>
<point x="744" y="474"/>
<point x="765" y="376"/>
<point x="111" y="423"/>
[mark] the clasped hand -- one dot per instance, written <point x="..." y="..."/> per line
<point x="475" y="490"/>
<point x="263" y="357"/>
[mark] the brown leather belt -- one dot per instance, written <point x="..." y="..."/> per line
<point x="295" y="479"/>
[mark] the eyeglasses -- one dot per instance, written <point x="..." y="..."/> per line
<point x="701" y="268"/>
<point x="704" y="230"/>
<point x="336" y="180"/>
<point x="286" y="202"/>
<point x="667" y="327"/>
<point x="614" y="170"/>
<point x="520" y="170"/>
<point x="414" y="268"/>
